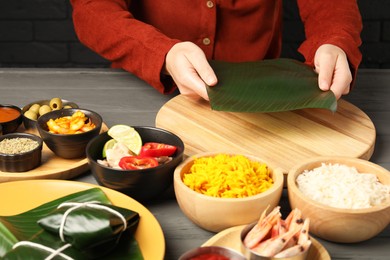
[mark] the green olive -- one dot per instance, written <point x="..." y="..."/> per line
<point x="44" y="109"/>
<point x="67" y="107"/>
<point x="56" y="104"/>
<point x="35" y="108"/>
<point x="31" y="115"/>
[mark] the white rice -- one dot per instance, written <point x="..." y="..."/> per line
<point x="342" y="186"/>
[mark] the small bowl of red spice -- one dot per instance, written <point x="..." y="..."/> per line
<point x="212" y="253"/>
<point x="10" y="118"/>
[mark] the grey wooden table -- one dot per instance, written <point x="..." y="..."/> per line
<point x="122" y="98"/>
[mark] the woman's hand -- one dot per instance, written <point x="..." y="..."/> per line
<point x="186" y="63"/>
<point x="333" y="70"/>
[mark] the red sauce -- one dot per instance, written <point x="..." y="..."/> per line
<point x="210" y="256"/>
<point x="8" y="114"/>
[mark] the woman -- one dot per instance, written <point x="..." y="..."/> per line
<point x="167" y="42"/>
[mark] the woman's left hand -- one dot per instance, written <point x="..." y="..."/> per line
<point x="333" y="70"/>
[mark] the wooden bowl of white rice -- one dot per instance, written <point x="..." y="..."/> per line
<point x="346" y="199"/>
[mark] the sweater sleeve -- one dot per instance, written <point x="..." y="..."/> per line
<point x="331" y="22"/>
<point x="108" y="28"/>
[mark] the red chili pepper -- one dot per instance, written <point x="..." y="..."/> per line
<point x="157" y="149"/>
<point x="137" y="162"/>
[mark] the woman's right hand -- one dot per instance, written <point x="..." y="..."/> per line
<point x="186" y="63"/>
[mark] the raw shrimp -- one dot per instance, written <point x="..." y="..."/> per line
<point x="273" y="236"/>
<point x="262" y="228"/>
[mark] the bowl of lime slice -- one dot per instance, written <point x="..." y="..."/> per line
<point x="136" y="160"/>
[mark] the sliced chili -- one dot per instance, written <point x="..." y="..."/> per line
<point x="152" y="149"/>
<point x="137" y="162"/>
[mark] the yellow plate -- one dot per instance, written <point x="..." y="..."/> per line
<point x="20" y="196"/>
<point x="231" y="238"/>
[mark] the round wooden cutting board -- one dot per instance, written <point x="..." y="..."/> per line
<point x="281" y="139"/>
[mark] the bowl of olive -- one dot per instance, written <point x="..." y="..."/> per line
<point x="31" y="112"/>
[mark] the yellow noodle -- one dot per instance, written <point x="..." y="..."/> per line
<point x="228" y="176"/>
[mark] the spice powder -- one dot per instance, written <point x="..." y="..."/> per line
<point x="17" y="145"/>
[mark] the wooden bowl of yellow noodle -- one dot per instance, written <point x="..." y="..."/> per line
<point x="343" y="203"/>
<point x="215" y="198"/>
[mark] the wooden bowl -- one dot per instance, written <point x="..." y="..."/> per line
<point x="337" y="224"/>
<point x="216" y="214"/>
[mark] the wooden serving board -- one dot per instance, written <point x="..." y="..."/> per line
<point x="281" y="139"/>
<point x="51" y="167"/>
<point x="231" y="238"/>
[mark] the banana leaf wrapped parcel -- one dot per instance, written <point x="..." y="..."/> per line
<point x="84" y="225"/>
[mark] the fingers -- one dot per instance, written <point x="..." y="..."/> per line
<point x="203" y="68"/>
<point x="342" y="78"/>
<point x="333" y="70"/>
<point x="324" y="66"/>
<point x="188" y="66"/>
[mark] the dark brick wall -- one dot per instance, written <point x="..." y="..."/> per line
<point x="39" y="33"/>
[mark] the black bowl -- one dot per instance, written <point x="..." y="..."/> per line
<point x="144" y="184"/>
<point x="68" y="146"/>
<point x="30" y="124"/>
<point x="21" y="162"/>
<point x="12" y="125"/>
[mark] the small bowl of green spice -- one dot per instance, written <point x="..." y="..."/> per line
<point x="20" y="152"/>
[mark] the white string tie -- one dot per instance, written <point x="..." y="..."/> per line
<point x="91" y="204"/>
<point x="53" y="252"/>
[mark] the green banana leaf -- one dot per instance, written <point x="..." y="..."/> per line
<point x="7" y="240"/>
<point x="267" y="86"/>
<point x="25" y="227"/>
<point x="126" y="249"/>
<point x="89" y="227"/>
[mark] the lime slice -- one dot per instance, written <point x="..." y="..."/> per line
<point x="108" y="145"/>
<point x="128" y="136"/>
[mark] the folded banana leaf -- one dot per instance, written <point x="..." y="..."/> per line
<point x="40" y="244"/>
<point x="90" y="225"/>
<point x="267" y="86"/>
<point x="25" y="227"/>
